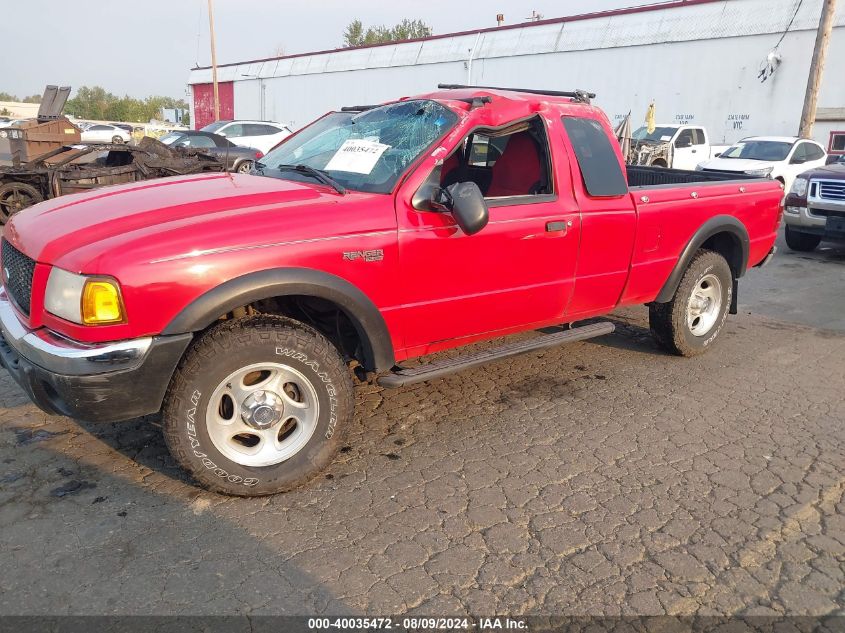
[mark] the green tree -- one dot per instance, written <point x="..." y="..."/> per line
<point x="32" y="99"/>
<point x="98" y="104"/>
<point x="355" y="35"/>
<point x="5" y="96"/>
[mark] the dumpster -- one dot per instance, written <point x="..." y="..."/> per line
<point x="49" y="131"/>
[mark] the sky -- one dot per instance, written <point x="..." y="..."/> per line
<point x="145" y="47"/>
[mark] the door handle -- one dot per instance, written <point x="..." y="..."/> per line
<point x="558" y="226"/>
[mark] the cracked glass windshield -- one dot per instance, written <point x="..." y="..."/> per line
<point x="362" y="151"/>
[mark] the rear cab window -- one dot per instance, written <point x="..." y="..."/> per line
<point x="600" y="169"/>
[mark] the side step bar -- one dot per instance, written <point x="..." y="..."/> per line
<point x="401" y="377"/>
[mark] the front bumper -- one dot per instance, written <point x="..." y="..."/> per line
<point x="101" y="383"/>
<point x="825" y="219"/>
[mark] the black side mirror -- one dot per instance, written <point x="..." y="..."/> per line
<point x="680" y="144"/>
<point x="717" y="154"/>
<point x="798" y="161"/>
<point x="466" y="203"/>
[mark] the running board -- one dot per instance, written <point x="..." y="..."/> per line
<point x="402" y="376"/>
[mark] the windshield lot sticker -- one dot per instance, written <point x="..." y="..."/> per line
<point x="358" y="156"/>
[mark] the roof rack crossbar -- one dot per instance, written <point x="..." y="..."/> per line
<point x="358" y="108"/>
<point x="580" y="95"/>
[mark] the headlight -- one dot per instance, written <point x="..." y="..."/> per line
<point x="83" y="300"/>
<point x="799" y="187"/>
<point x="762" y="173"/>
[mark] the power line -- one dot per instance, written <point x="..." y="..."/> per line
<point x="789" y="26"/>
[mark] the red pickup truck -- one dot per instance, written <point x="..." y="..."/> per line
<point x="244" y="306"/>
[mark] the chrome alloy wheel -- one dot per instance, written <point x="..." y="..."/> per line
<point x="262" y="414"/>
<point x="705" y="305"/>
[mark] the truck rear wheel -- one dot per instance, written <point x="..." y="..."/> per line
<point x="258" y="406"/>
<point x="801" y="242"/>
<point x="689" y="323"/>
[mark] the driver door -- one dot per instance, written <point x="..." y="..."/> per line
<point x="516" y="273"/>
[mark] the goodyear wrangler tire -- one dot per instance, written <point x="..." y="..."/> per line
<point x="257" y="406"/>
<point x="689" y="324"/>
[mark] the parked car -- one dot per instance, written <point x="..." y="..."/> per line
<point x="105" y="133"/>
<point x="671" y="145"/>
<point x="76" y="168"/>
<point x="262" y="135"/>
<point x="11" y="123"/>
<point x="778" y="157"/>
<point x="815" y="208"/>
<point x="241" y="305"/>
<point x="236" y="158"/>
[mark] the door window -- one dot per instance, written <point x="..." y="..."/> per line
<point x="685" y="138"/>
<point x="697" y="136"/>
<point x="235" y="129"/>
<point x="503" y="163"/>
<point x="813" y="151"/>
<point x="837" y="142"/>
<point x="598" y="161"/>
<point x="800" y="153"/>
<point x="197" y="141"/>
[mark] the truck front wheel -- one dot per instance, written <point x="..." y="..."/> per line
<point x="258" y="406"/>
<point x="690" y="323"/>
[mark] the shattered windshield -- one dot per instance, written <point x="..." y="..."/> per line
<point x="363" y="151"/>
<point x="660" y="134"/>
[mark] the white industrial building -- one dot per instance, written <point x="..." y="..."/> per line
<point x="699" y="61"/>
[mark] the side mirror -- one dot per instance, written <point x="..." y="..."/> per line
<point x="466" y="203"/>
<point x="797" y="161"/>
<point x="680" y="144"/>
<point x="717" y="154"/>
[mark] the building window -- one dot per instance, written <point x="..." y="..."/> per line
<point x="837" y="143"/>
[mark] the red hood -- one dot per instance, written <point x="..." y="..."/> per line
<point x="135" y="211"/>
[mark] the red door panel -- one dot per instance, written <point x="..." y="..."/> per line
<point x="515" y="274"/>
<point x="204" y="103"/>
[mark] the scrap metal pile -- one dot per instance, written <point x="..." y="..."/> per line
<point x="81" y="167"/>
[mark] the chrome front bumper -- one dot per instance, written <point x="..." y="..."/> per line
<point x="101" y="383"/>
<point x="61" y="355"/>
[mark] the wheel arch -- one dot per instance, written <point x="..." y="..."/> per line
<point x="724" y="234"/>
<point x="205" y="310"/>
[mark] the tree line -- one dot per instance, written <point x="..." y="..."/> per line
<point x="356" y="35"/>
<point x="5" y="96"/>
<point x="96" y="103"/>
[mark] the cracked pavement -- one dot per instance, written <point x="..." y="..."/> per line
<point x="604" y="477"/>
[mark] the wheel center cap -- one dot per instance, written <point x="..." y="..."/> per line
<point x="262" y="409"/>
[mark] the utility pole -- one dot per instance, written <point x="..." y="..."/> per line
<point x="811" y="97"/>
<point x="214" y="62"/>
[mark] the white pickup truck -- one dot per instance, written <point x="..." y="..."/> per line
<point x="673" y="145"/>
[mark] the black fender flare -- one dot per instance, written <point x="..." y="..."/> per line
<point x="715" y="225"/>
<point x="277" y="282"/>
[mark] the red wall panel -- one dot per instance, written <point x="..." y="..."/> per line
<point x="204" y="103"/>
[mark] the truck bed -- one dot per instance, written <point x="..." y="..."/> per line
<point x="646" y="176"/>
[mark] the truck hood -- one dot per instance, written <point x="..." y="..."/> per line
<point x="53" y="228"/>
<point x="736" y="164"/>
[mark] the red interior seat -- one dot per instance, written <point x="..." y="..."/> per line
<point x="518" y="170"/>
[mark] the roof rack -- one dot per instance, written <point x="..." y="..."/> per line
<point x="358" y="108"/>
<point x="578" y="95"/>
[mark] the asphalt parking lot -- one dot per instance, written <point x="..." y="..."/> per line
<point x="602" y="478"/>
